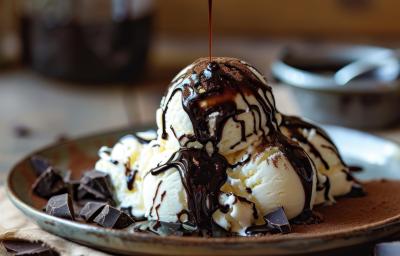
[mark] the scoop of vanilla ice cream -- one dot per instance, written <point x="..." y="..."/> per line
<point x="175" y="121"/>
<point x="116" y="161"/>
<point x="329" y="164"/>
<point x="269" y="181"/>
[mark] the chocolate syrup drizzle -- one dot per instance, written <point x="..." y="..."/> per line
<point x="208" y="88"/>
<point x="295" y="125"/>
<point x="202" y="177"/>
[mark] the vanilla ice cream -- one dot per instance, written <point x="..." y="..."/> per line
<point x="223" y="155"/>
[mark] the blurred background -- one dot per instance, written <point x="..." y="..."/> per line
<point x="74" y="67"/>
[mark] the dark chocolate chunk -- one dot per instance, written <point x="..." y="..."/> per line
<point x="387" y="249"/>
<point x="91" y="210"/>
<point x="39" y="164"/>
<point x="275" y="222"/>
<point x="19" y="247"/>
<point x="96" y="185"/>
<point x="111" y="217"/>
<point x="61" y="206"/>
<point x="278" y="220"/>
<point x="49" y="183"/>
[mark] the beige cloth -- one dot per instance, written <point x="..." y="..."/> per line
<point x="13" y="224"/>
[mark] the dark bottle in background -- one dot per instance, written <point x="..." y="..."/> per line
<point x="87" y="40"/>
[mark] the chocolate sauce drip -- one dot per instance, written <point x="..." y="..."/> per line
<point x="154" y="198"/>
<point x="130" y="177"/>
<point x="130" y="174"/>
<point x="202" y="177"/>
<point x="355" y="168"/>
<point x="300" y="162"/>
<point x="253" y="206"/>
<point x="326" y="186"/>
<point x="295" y="125"/>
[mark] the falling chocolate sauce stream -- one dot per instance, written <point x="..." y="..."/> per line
<point x="210" y="4"/>
<point x="211" y="87"/>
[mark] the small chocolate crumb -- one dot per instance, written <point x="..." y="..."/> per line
<point x="91" y="210"/>
<point x="61" y="206"/>
<point x="49" y="183"/>
<point x="249" y="190"/>
<point x="39" y="164"/>
<point x="111" y="217"/>
<point x="21" y="247"/>
<point x="22" y="131"/>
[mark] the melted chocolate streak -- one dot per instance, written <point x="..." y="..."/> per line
<point x="295" y="124"/>
<point x="203" y="175"/>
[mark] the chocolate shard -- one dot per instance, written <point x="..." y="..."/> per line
<point x="387" y="249"/>
<point x="275" y="222"/>
<point x="91" y="210"/>
<point x="39" y="164"/>
<point x="61" y="206"/>
<point x="19" y="247"/>
<point x="278" y="220"/>
<point x="49" y="183"/>
<point x="111" y="217"/>
<point x="72" y="187"/>
<point x="97" y="186"/>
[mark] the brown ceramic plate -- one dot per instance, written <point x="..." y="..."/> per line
<point x="348" y="223"/>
